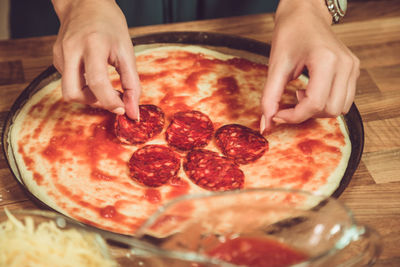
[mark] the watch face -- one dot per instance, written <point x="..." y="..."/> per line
<point x="342" y="5"/>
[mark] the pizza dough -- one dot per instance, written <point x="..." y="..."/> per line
<point x="70" y="157"/>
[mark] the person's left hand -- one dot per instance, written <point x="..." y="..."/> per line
<point x="303" y="38"/>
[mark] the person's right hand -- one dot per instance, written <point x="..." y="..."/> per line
<point x="93" y="34"/>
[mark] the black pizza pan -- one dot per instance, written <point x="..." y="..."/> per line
<point x="352" y="119"/>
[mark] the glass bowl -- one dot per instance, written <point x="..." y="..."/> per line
<point x="319" y="228"/>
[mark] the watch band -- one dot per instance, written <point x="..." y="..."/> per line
<point x="336" y="10"/>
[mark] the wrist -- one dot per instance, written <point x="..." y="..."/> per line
<point x="63" y="7"/>
<point x="315" y="7"/>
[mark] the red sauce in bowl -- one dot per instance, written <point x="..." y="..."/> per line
<point x="260" y="252"/>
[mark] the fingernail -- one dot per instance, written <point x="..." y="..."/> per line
<point x="300" y="94"/>
<point x="278" y="120"/>
<point x="262" y="124"/>
<point x="138" y="114"/>
<point x="119" y="111"/>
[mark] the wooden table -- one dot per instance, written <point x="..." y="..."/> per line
<point x="371" y="30"/>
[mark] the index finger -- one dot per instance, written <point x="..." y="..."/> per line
<point x="278" y="76"/>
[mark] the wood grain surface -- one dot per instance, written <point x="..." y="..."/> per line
<point x="371" y="30"/>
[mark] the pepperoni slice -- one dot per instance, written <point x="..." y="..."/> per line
<point x="154" y="165"/>
<point x="240" y="143"/>
<point x="189" y="130"/>
<point x="213" y="172"/>
<point x="138" y="132"/>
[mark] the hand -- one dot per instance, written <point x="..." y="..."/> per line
<point x="93" y="34"/>
<point x="303" y="38"/>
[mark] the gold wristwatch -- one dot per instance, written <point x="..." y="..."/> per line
<point x="337" y="8"/>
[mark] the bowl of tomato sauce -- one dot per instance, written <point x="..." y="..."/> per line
<point x="261" y="227"/>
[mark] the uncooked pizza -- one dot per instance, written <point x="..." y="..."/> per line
<point x="198" y="132"/>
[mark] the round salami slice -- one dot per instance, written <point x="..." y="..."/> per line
<point x="154" y="165"/>
<point x="240" y="143"/>
<point x="189" y="130"/>
<point x="213" y="172"/>
<point x="138" y="132"/>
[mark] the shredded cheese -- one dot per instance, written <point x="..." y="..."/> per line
<point x="23" y="244"/>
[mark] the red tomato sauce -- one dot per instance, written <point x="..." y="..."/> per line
<point x="260" y="252"/>
<point x="152" y="195"/>
<point x="193" y="66"/>
<point x="179" y="187"/>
